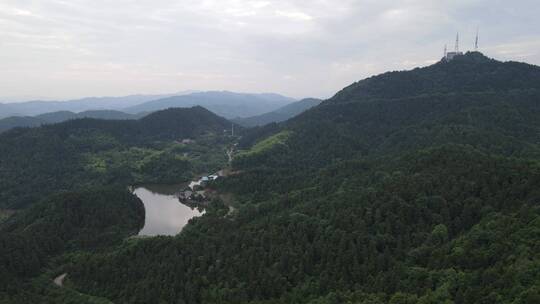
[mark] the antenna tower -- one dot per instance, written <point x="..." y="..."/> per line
<point x="476" y="41"/>
<point x="457" y="43"/>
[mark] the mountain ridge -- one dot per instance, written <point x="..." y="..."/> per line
<point x="279" y="115"/>
<point x="267" y="101"/>
<point x="469" y="72"/>
<point x="224" y="103"/>
<point x="32" y="108"/>
<point x="60" y="116"/>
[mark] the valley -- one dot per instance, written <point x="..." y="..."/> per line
<point x="419" y="186"/>
<point x="170" y="207"/>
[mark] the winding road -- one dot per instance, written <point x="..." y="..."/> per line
<point x="59" y="280"/>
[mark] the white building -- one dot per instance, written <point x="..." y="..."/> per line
<point x="450" y="55"/>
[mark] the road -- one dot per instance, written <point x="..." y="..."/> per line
<point x="59" y="280"/>
<point x="230" y="154"/>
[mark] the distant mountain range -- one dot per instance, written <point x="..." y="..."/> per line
<point x="60" y="116"/>
<point x="279" y="115"/>
<point x="227" y="104"/>
<point x="32" y="108"/>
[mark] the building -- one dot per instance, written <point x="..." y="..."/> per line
<point x="448" y="56"/>
<point x="451" y="55"/>
<point x="185" y="195"/>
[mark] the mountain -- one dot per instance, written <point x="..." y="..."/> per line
<point x="280" y="114"/>
<point x="471" y="91"/>
<point x="223" y="103"/>
<point x="177" y="123"/>
<point x="227" y="104"/>
<point x="16" y="121"/>
<point x="71" y="154"/>
<point x="415" y="186"/>
<point x="60" y="116"/>
<point x="410" y="187"/>
<point x="7" y="110"/>
<point x="472" y="72"/>
<point x="32" y="108"/>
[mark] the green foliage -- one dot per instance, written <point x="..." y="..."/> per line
<point x="267" y="144"/>
<point x="41" y="290"/>
<point x="86" y="152"/>
<point x="89" y="219"/>
<point x="470" y="73"/>
<point x="4" y="215"/>
<point x="409" y="187"/>
<point x="403" y="236"/>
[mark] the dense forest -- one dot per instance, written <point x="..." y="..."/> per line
<point x="60" y="116"/>
<point x="419" y="186"/>
<point x="88" y="152"/>
<point x="89" y="219"/>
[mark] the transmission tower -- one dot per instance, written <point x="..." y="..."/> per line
<point x="476" y="41"/>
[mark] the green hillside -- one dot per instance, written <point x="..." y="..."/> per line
<point x="89" y="152"/>
<point x="89" y="219"/>
<point x="60" y="116"/>
<point x="425" y="196"/>
<point x="418" y="186"/>
<point x="472" y="72"/>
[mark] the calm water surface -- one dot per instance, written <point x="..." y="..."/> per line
<point x="165" y="215"/>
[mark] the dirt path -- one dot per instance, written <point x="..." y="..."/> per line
<point x="59" y="280"/>
<point x="230" y="154"/>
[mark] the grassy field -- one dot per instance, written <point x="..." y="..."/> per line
<point x="268" y="143"/>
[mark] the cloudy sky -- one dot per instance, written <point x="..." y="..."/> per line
<point x="61" y="49"/>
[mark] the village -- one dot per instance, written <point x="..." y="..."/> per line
<point x="195" y="194"/>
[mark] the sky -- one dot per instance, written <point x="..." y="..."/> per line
<point x="63" y="49"/>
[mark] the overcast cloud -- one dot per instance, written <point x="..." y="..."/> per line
<point x="73" y="48"/>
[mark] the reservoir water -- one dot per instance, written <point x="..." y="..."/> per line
<point x="165" y="214"/>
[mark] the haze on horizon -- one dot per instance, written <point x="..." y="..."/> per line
<point x="61" y="49"/>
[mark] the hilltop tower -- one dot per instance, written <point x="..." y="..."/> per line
<point x="476" y="41"/>
<point x="450" y="55"/>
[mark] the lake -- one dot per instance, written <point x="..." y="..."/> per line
<point x="165" y="215"/>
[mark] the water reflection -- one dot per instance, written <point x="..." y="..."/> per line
<point x="165" y="215"/>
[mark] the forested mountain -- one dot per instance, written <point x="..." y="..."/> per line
<point x="280" y="114"/>
<point x="60" y="116"/>
<point x="223" y="103"/>
<point x="373" y="121"/>
<point x="372" y="197"/>
<point x="88" y="219"/>
<point x="418" y="186"/>
<point x="84" y="152"/>
<point x="473" y="72"/>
